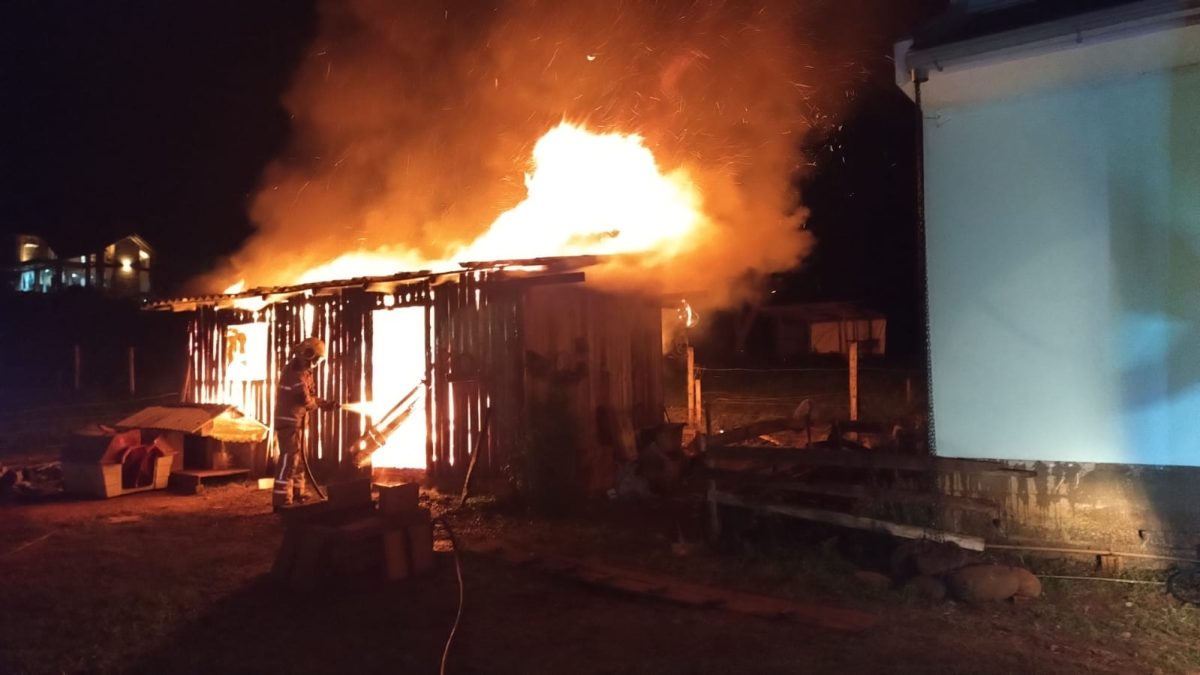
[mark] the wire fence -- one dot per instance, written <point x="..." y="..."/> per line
<point x="736" y="396"/>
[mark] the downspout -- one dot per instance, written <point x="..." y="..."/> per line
<point x="918" y="77"/>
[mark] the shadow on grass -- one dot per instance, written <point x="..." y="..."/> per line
<point x="364" y="626"/>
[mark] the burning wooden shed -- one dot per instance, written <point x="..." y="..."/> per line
<point x="521" y="367"/>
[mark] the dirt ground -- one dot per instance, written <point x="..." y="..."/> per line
<point x="158" y="583"/>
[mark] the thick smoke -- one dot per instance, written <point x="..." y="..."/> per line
<point x="413" y="122"/>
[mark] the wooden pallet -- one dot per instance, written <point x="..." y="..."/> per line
<point x="191" y="481"/>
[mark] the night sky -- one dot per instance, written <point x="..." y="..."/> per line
<point x="158" y="118"/>
<point x="143" y="116"/>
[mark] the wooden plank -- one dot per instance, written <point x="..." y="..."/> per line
<point x="853" y="380"/>
<point x="846" y="520"/>
<point x="984" y="466"/>
<point x="428" y="341"/>
<point x="483" y="429"/>
<point x="755" y="430"/>
<point x="210" y="473"/>
<point x="859" y="492"/>
<point x="672" y="589"/>
<point x="856" y="459"/>
<point x="691" y="386"/>
<point x="396" y="555"/>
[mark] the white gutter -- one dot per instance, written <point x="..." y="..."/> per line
<point x="1117" y="22"/>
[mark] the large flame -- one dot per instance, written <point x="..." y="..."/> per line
<point x="587" y="193"/>
<point x="593" y="193"/>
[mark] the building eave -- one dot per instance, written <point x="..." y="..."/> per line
<point x="1114" y="23"/>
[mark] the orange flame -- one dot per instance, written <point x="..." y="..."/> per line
<point x="593" y="194"/>
<point x="586" y="193"/>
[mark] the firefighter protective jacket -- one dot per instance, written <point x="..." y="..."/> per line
<point x="296" y="395"/>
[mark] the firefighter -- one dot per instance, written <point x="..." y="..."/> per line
<point x="295" y="398"/>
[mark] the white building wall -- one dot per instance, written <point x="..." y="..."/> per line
<point x="1064" y="273"/>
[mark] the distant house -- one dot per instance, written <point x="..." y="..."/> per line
<point x="121" y="268"/>
<point x="825" y="328"/>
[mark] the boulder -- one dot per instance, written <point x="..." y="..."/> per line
<point x="928" y="587"/>
<point x="984" y="583"/>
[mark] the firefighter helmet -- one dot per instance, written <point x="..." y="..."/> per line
<point x="311" y="350"/>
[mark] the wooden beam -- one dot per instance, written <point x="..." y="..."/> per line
<point x="691" y="386"/>
<point x="854" y="459"/>
<point x="754" y="431"/>
<point x="846" y="520"/>
<point x="853" y="380"/>
<point x="671" y="589"/>
<point x="859" y="492"/>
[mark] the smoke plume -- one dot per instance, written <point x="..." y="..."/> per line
<point x="413" y="123"/>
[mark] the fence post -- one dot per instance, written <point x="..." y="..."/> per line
<point x="132" y="372"/>
<point x="853" y="380"/>
<point x="691" y="386"/>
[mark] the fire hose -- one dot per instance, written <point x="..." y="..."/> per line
<point x="308" y="472"/>
<point x="461" y="593"/>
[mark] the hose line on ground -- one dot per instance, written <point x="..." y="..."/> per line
<point x="458" y="572"/>
<point x="312" y="480"/>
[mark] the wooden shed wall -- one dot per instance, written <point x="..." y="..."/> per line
<point x="475" y="380"/>
<point x="495" y="346"/>
<point x="601" y="353"/>
<point x="343" y="321"/>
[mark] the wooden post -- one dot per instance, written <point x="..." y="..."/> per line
<point x="483" y="429"/>
<point x="78" y="367"/>
<point x="691" y="386"/>
<point x="429" y="392"/>
<point x="132" y="372"/>
<point x="185" y="391"/>
<point x="699" y="401"/>
<point x="853" y="380"/>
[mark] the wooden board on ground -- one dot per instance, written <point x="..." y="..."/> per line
<point x="847" y="520"/>
<point x="191" y="481"/>
<point x="597" y="573"/>
<point x="783" y="457"/>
